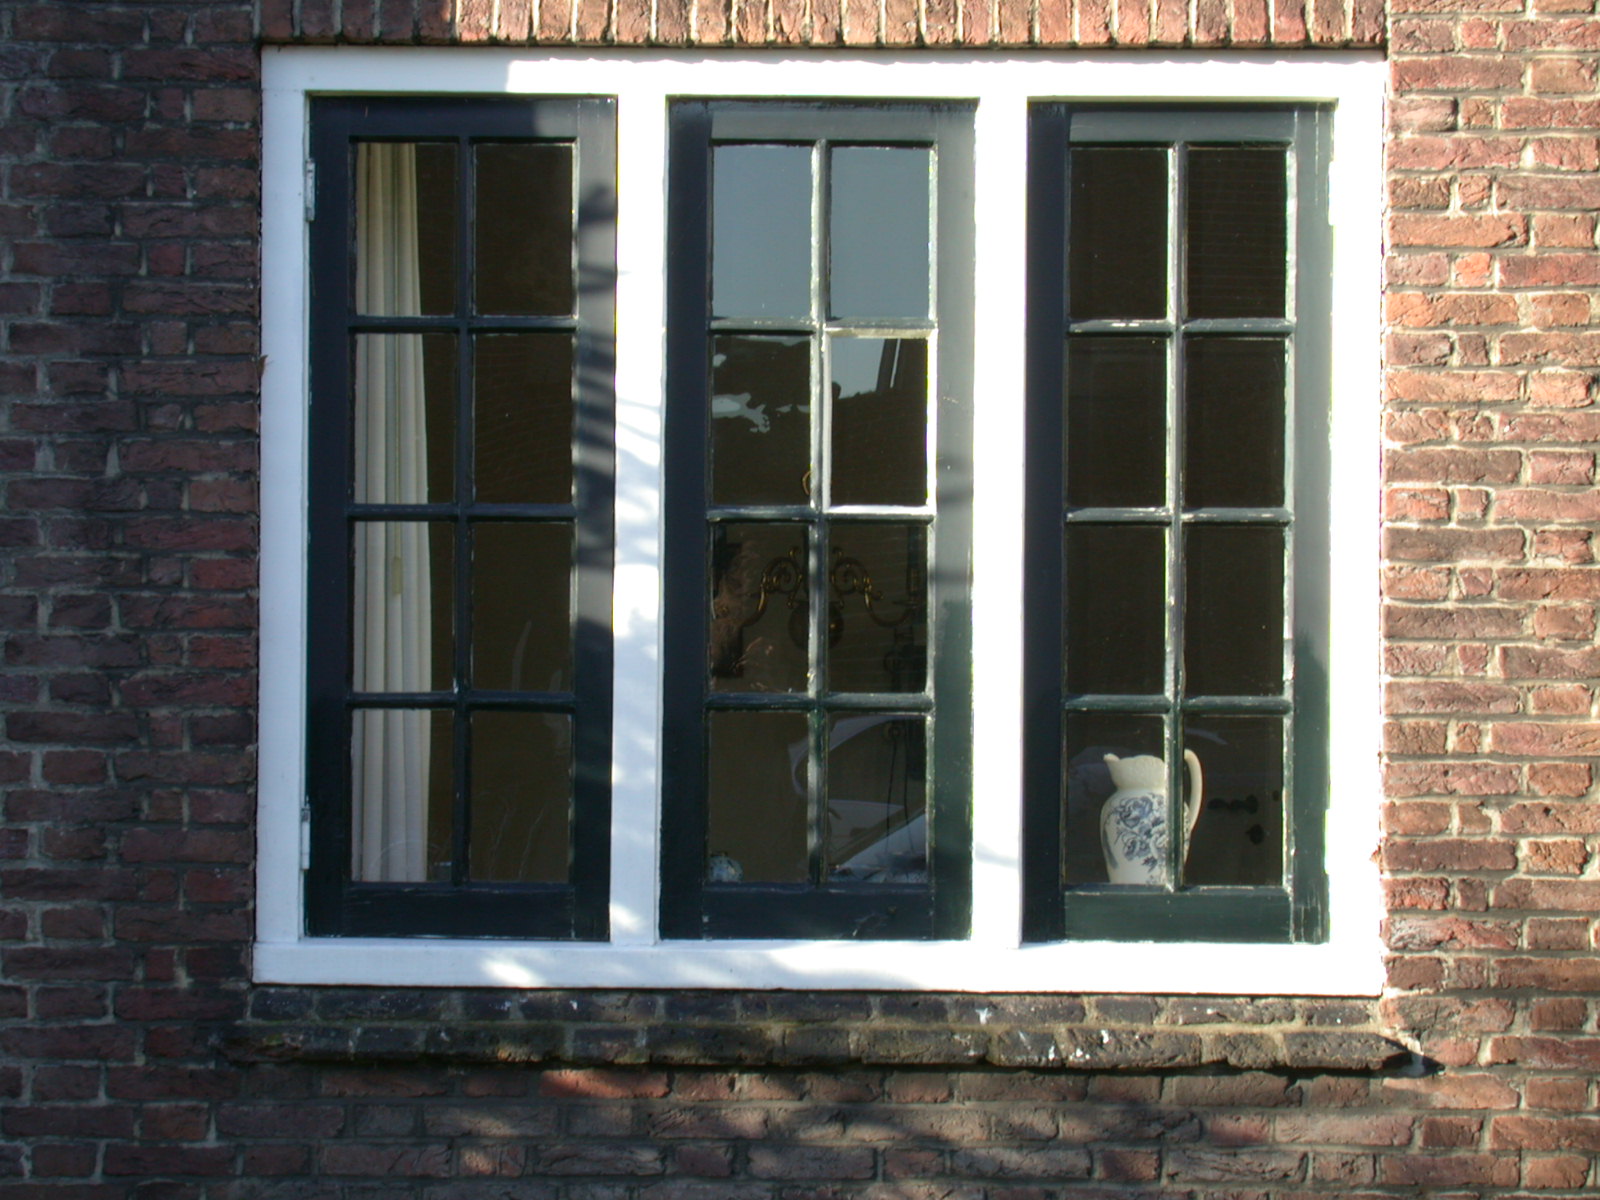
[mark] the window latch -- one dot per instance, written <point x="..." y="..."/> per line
<point x="305" y="836"/>
<point x="311" y="190"/>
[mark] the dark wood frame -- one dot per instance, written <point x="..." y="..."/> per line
<point x="691" y="907"/>
<point x="335" y="904"/>
<point x="1295" y="911"/>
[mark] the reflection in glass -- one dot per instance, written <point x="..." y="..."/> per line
<point x="880" y="420"/>
<point x="760" y="608"/>
<point x="878" y="231"/>
<point x="1116" y="610"/>
<point x="878" y="608"/>
<point x="756" y="811"/>
<point x="760" y="420"/>
<point x="521" y="606"/>
<point x="1239" y="836"/>
<point x="1233" y="422"/>
<point x="761" y="231"/>
<point x="1116" y="451"/>
<point x="1236" y="219"/>
<point x="402" y="606"/>
<point x="521" y="797"/>
<point x="523" y="231"/>
<point x="404" y="433"/>
<point x="522" y="418"/>
<point x="405" y="229"/>
<point x="876" y="830"/>
<point x="1117" y="231"/>
<point x="1233" y="633"/>
<point x="1088" y="738"/>
<point x="401" y="787"/>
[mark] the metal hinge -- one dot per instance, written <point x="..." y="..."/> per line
<point x="311" y="190"/>
<point x="305" y="836"/>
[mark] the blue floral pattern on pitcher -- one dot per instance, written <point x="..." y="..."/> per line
<point x="1133" y="831"/>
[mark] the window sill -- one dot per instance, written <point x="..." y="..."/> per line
<point x="700" y="1029"/>
<point x="1343" y="967"/>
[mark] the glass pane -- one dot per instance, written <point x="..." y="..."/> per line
<point x="760" y="610"/>
<point x="877" y="827"/>
<point x="1116" y="451"/>
<point x="1117" y="603"/>
<point x="1117" y="233"/>
<point x="880" y="420"/>
<point x="404" y="439"/>
<point x="878" y="608"/>
<point x="1237" y="223"/>
<point x="760" y="420"/>
<point x="401" y="792"/>
<point x="405" y="229"/>
<point x="522" y="418"/>
<point x="522" y="235"/>
<point x="761" y="231"/>
<point x="1238" y="834"/>
<point x="521" y="606"/>
<point x="521" y="797"/>
<point x="1233" y="632"/>
<point x="1121" y="841"/>
<point x="402" y="606"/>
<point x="756" y="819"/>
<point x="1234" y="405"/>
<point x="878" y="231"/>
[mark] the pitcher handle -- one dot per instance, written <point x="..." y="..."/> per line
<point x="1193" y="802"/>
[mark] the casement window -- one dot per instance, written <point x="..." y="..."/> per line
<point x="459" y="655"/>
<point x="816" y="683"/>
<point x="748" y="522"/>
<point x="1178" y="490"/>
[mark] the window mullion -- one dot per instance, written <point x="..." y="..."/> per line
<point x="641" y="313"/>
<point x="1173" y="719"/>
<point x="1000" y="320"/>
<point x="461" y="815"/>
<point x="817" y="545"/>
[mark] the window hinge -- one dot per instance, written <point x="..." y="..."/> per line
<point x="311" y="190"/>
<point x="305" y="837"/>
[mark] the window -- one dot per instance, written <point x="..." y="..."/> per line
<point x="1178" y="617"/>
<point x="816" y="680"/>
<point x="720" y="515"/>
<point x="458" y="721"/>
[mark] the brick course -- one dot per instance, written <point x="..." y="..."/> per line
<point x="135" y="1059"/>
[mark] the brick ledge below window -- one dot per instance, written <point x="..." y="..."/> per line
<point x="794" y="1030"/>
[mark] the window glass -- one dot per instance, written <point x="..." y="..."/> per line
<point x="1237" y="223"/>
<point x="522" y="228"/>
<point x="405" y="228"/>
<point x="760" y="420"/>
<point x="1117" y="265"/>
<point x="879" y="409"/>
<point x="761" y="244"/>
<point x="878" y="231"/>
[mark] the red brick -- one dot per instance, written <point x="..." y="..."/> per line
<point x="1535" y="738"/>
<point x="1415" y="310"/>
<point x="1453" y="1170"/>
<point x="1454" y="545"/>
<point x="1456" y="74"/>
<point x="1403" y="779"/>
<point x="1568" y="1171"/>
<point x="1448" y="854"/>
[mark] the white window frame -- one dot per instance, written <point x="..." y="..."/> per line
<point x="993" y="958"/>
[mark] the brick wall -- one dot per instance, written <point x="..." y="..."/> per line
<point x="135" y="1059"/>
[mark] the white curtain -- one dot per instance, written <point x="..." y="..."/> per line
<point x="393" y="607"/>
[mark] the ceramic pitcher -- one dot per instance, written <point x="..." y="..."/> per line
<point x="1133" y="823"/>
